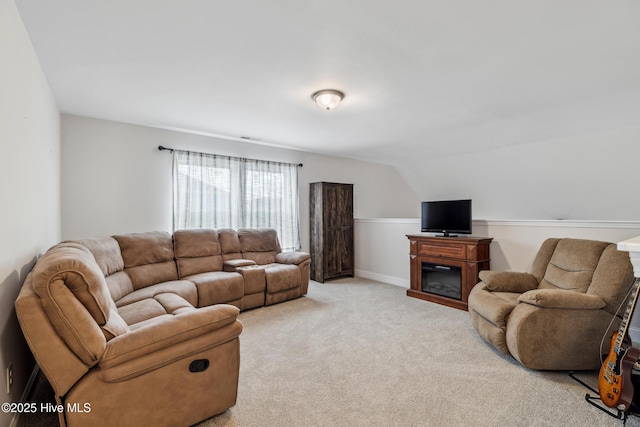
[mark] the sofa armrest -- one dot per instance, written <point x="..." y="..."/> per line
<point x="559" y="298"/>
<point x="231" y="265"/>
<point x="171" y="331"/>
<point x="292" y="257"/>
<point x="508" y="281"/>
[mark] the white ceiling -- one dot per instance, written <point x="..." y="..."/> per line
<point x="447" y="76"/>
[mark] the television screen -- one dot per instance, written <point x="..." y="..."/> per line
<point x="447" y="216"/>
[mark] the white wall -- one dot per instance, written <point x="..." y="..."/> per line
<point x="582" y="177"/>
<point x="383" y="248"/>
<point x="114" y="179"/>
<point x="29" y="185"/>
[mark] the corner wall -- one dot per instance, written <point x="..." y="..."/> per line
<point x="30" y="185"/>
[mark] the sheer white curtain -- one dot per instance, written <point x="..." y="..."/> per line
<point x="211" y="191"/>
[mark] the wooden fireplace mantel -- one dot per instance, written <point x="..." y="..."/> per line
<point x="470" y="254"/>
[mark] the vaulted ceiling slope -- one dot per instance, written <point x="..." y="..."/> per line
<point x="442" y="76"/>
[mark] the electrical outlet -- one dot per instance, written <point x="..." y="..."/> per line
<point x="9" y="377"/>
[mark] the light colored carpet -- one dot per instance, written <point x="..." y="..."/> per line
<point x="355" y="352"/>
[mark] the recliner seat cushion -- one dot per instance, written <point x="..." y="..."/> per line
<point x="138" y="313"/>
<point x="186" y="289"/>
<point x="218" y="287"/>
<point x="280" y="277"/>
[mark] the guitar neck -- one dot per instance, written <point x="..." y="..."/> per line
<point x="624" y="325"/>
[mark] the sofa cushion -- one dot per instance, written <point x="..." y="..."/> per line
<point x="115" y="324"/>
<point x="218" y="287"/>
<point x="259" y="244"/>
<point x="107" y="253"/>
<point x="229" y="243"/>
<point x="572" y="264"/>
<point x="282" y="276"/>
<point x="119" y="285"/>
<point x="142" y="312"/>
<point x="197" y="251"/>
<point x="183" y="288"/>
<point x="148" y="257"/>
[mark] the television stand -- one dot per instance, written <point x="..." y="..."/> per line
<point x="444" y="269"/>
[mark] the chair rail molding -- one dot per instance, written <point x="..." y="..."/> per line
<point x="381" y="245"/>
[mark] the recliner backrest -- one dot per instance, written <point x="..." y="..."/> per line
<point x="259" y="244"/>
<point x="148" y="257"/>
<point x="572" y="264"/>
<point x="588" y="266"/>
<point x="106" y="252"/>
<point x="229" y="244"/>
<point x="197" y="251"/>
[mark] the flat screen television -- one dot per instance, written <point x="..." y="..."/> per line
<point x="447" y="217"/>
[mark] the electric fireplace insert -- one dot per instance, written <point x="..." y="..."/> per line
<point x="443" y="280"/>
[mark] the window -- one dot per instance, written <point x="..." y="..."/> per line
<point x="211" y="191"/>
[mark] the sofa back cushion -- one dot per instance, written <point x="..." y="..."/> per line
<point x="572" y="264"/>
<point x="148" y="257"/>
<point x="75" y="297"/>
<point x="259" y="244"/>
<point x="197" y="251"/>
<point x="229" y="244"/>
<point x="106" y="252"/>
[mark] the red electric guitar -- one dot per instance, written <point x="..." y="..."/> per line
<point x="614" y="382"/>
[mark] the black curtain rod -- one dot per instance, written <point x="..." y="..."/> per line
<point x="161" y="148"/>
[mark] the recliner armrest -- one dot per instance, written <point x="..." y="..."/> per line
<point x="508" y="281"/>
<point x="171" y="331"/>
<point x="292" y="257"/>
<point x="560" y="298"/>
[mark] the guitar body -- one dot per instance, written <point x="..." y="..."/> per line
<point x="614" y="381"/>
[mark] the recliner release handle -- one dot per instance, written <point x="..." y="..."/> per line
<point x="199" y="365"/>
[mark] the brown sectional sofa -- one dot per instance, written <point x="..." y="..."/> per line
<point x="143" y="327"/>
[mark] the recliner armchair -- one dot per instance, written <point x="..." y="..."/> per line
<point x="556" y="316"/>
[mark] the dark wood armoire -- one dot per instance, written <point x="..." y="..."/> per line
<point x="331" y="209"/>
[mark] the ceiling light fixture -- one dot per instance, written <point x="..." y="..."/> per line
<point x="327" y="98"/>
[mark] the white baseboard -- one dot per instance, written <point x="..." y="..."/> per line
<point x="383" y="278"/>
